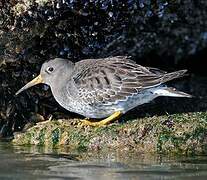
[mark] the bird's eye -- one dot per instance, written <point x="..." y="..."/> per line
<point x="50" y="69"/>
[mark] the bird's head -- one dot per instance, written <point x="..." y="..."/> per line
<point x="51" y="73"/>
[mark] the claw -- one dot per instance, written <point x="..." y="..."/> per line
<point x="103" y="122"/>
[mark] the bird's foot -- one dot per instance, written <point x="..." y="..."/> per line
<point x="46" y="121"/>
<point x="108" y="120"/>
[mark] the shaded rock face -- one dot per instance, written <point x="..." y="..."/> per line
<point x="168" y="34"/>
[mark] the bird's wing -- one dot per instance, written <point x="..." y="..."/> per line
<point x="156" y="71"/>
<point x="111" y="79"/>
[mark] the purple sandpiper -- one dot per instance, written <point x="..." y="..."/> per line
<point x="104" y="88"/>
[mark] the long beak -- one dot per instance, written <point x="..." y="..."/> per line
<point x="33" y="82"/>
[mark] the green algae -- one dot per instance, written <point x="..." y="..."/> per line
<point x="42" y="136"/>
<point x="55" y="136"/>
<point x="184" y="133"/>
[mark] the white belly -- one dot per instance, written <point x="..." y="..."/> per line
<point x="105" y="110"/>
<point x="125" y="105"/>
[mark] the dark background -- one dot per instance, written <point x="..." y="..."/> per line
<point x="167" y="34"/>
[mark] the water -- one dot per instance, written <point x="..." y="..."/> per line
<point x="38" y="163"/>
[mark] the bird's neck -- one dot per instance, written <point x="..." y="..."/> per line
<point x="62" y="94"/>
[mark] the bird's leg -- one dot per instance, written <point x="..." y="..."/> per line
<point x="103" y="122"/>
<point x="46" y="121"/>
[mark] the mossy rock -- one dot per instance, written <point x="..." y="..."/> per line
<point x="184" y="133"/>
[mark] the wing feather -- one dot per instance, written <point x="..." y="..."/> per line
<point x="112" y="79"/>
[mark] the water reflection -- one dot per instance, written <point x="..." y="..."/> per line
<point x="18" y="162"/>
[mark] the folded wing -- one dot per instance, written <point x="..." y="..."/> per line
<point x="114" y="79"/>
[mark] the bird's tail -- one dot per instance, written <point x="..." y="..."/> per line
<point x="173" y="75"/>
<point x="171" y="92"/>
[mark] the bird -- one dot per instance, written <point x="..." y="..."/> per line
<point x="104" y="88"/>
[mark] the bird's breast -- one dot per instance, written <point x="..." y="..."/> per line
<point x="69" y="100"/>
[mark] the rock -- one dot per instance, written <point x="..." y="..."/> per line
<point x="166" y="34"/>
<point x="184" y="133"/>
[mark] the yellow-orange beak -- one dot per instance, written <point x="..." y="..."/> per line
<point x="33" y="82"/>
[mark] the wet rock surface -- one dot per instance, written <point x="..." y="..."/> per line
<point x="168" y="34"/>
<point x="184" y="133"/>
